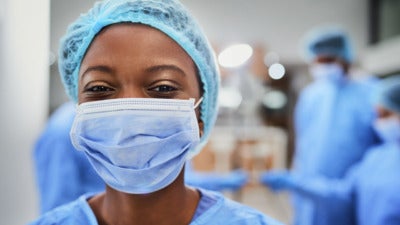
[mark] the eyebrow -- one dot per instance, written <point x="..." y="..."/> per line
<point x="165" y="67"/>
<point x="151" y="69"/>
<point x="100" y="68"/>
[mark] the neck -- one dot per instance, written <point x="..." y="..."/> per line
<point x="175" y="204"/>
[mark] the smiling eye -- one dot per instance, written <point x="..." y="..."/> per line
<point x="99" y="89"/>
<point x="95" y="92"/>
<point x="164" y="88"/>
<point x="163" y="91"/>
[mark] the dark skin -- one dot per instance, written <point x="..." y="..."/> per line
<point x="137" y="61"/>
<point x="384" y="113"/>
<point x="333" y="59"/>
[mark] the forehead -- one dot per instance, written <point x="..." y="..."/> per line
<point x="126" y="40"/>
<point x="128" y="51"/>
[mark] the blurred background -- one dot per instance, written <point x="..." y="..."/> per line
<point x="261" y="79"/>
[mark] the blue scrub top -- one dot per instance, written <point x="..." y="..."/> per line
<point x="62" y="173"/>
<point x="213" y="208"/>
<point x="370" y="189"/>
<point x="377" y="186"/>
<point x="333" y="124"/>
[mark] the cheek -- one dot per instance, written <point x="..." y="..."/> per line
<point x="201" y="128"/>
<point x="195" y="89"/>
<point x="79" y="93"/>
<point x="199" y="121"/>
<point x="198" y="115"/>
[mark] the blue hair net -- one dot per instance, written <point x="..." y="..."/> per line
<point x="330" y="41"/>
<point x="168" y="16"/>
<point x="388" y="93"/>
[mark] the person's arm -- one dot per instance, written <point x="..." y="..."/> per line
<point x="215" y="181"/>
<point x="322" y="189"/>
<point x="316" y="188"/>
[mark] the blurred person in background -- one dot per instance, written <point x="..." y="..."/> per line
<point x="371" y="186"/>
<point x="333" y="123"/>
<point x="62" y="173"/>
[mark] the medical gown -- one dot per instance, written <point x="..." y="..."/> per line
<point x="62" y="173"/>
<point x="371" y="187"/>
<point x="213" y="209"/>
<point x="333" y="131"/>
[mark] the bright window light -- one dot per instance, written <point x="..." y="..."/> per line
<point x="229" y="97"/>
<point x="274" y="99"/>
<point x="235" y="55"/>
<point x="276" y="71"/>
<point x="271" y="58"/>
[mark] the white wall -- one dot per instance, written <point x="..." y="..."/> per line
<point x="24" y="32"/>
<point x="62" y="13"/>
<point x="383" y="58"/>
<point x="279" y="24"/>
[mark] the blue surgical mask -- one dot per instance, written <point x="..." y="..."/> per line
<point x="327" y="71"/>
<point x="388" y="129"/>
<point x="136" y="145"/>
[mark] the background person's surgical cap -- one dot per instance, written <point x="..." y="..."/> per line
<point x="168" y="16"/>
<point x="388" y="93"/>
<point x="328" y="41"/>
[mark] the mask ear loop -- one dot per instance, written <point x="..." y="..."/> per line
<point x="198" y="103"/>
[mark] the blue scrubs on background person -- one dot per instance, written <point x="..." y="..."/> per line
<point x="333" y="122"/>
<point x="62" y="173"/>
<point x="371" y="187"/>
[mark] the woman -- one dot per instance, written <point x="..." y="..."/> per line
<point x="146" y="82"/>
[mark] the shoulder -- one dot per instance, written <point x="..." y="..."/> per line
<point x="226" y="211"/>
<point x="361" y="87"/>
<point x="56" y="132"/>
<point x="76" y="212"/>
<point x="314" y="86"/>
<point x="61" y="119"/>
<point x="374" y="155"/>
<point x="360" y="96"/>
<point x="381" y="152"/>
<point x="314" y="90"/>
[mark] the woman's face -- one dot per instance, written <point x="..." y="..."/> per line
<point x="136" y="61"/>
<point x="332" y="59"/>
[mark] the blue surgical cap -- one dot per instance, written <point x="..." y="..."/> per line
<point x="328" y="41"/>
<point x="168" y="16"/>
<point x="388" y="93"/>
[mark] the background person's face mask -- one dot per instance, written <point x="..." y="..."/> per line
<point x="327" y="71"/>
<point x="388" y="129"/>
<point x="137" y="145"/>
